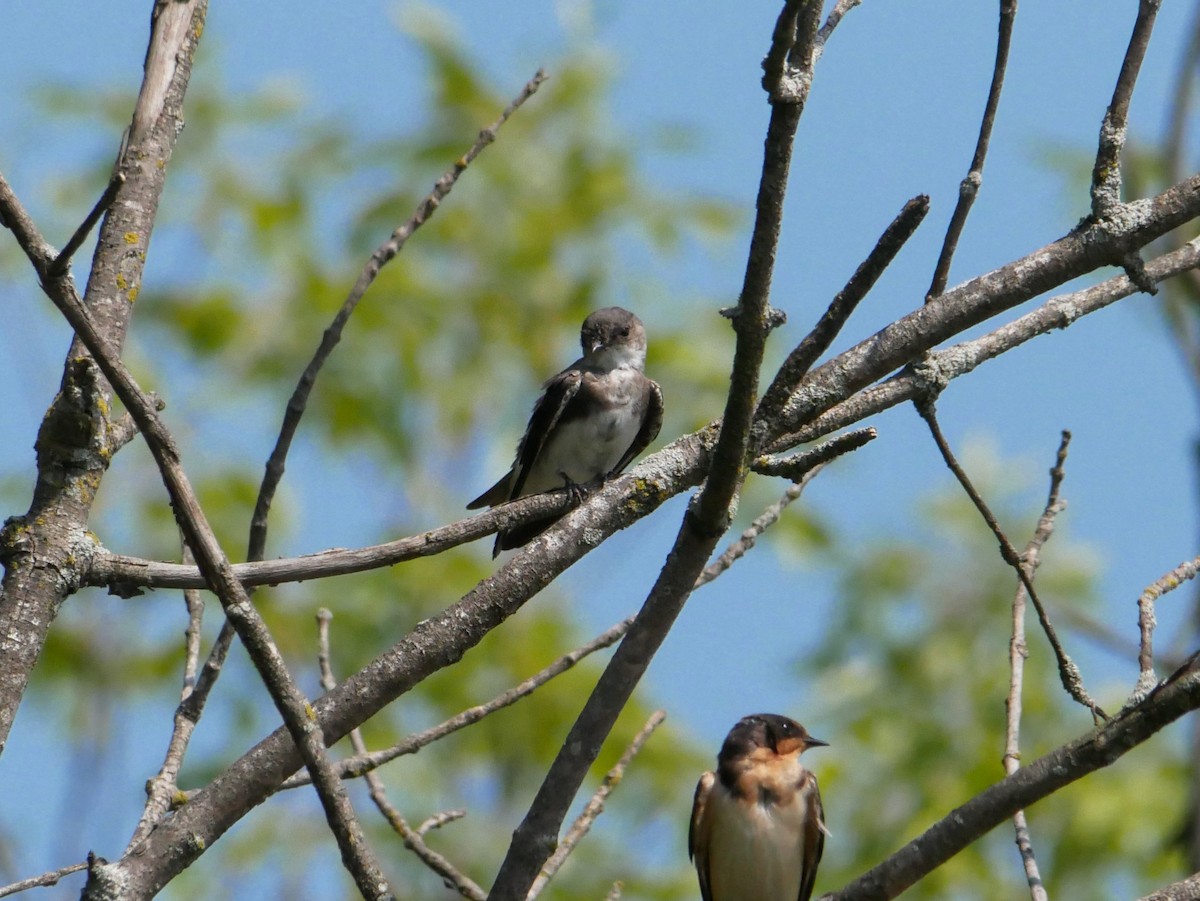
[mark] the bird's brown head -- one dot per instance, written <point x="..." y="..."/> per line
<point x="614" y="331"/>
<point x="768" y="731"/>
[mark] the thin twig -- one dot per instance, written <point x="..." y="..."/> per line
<point x="1101" y="747"/>
<point x="969" y="188"/>
<point x="835" y="17"/>
<point x="360" y="764"/>
<point x="738" y="549"/>
<point x="583" y="823"/>
<point x="124" y="575"/>
<point x="941" y="366"/>
<point x="796" y="466"/>
<point x="1068" y="672"/>
<point x="162" y="790"/>
<point x="1146" y="622"/>
<point x="63" y="260"/>
<point x="333" y="333"/>
<point x="438" y="820"/>
<point x="289" y="701"/>
<point x="1017" y="652"/>
<point x="120" y="432"/>
<point x="194" y="600"/>
<point x="1106" y="174"/>
<point x="816" y="342"/>
<point x="802" y="468"/>
<point x="46" y="879"/>
<point x="413" y="840"/>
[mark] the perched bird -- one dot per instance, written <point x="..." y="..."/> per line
<point x="758" y="828"/>
<point x="592" y="419"/>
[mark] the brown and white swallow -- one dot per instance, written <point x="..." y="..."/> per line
<point x="758" y="828"/>
<point x="592" y="419"/>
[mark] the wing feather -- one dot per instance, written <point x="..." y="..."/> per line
<point x="651" y="423"/>
<point x="812" y="839"/>
<point x="699" y="831"/>
<point x="559" y="393"/>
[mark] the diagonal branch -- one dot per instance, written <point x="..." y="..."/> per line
<point x="1088" y="246"/>
<point x="801" y="360"/>
<point x="76" y="439"/>
<point x="333" y="334"/>
<point x="1017" y="652"/>
<point x="583" y="823"/>
<point x="362" y="763"/>
<point x="1183" y="890"/>
<point x="1102" y="747"/>
<point x="1106" y="173"/>
<point x="413" y="838"/>
<point x="944" y="365"/>
<point x="46" y="879"/>
<point x="969" y="188"/>
<point x="802" y="469"/>
<point x="1068" y="672"/>
<point x="292" y="705"/>
<point x="125" y="576"/>
<point x="1185" y="571"/>
<point x="63" y="259"/>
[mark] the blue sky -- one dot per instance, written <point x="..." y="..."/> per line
<point x="894" y="112"/>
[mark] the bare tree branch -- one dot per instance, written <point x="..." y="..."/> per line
<point x="1072" y="680"/>
<point x="63" y="260"/>
<point x="801" y="360"/>
<point x="1088" y="246"/>
<point x="969" y="188"/>
<point x="361" y="764"/>
<point x="39" y="549"/>
<point x="802" y="468"/>
<point x="1146" y="622"/>
<point x="1184" y="890"/>
<point x="1017" y="652"/>
<point x="835" y="18"/>
<point x="292" y="705"/>
<point x="945" y="365"/>
<point x="1102" y="747"/>
<point x="163" y="789"/>
<point x="451" y="875"/>
<point x="1106" y="174"/>
<point x="583" y="823"/>
<point x="380" y="258"/>
<point x="46" y="879"/>
<point x="125" y="575"/>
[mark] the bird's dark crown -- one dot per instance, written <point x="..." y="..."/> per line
<point x="778" y="733"/>
<point x="611" y="326"/>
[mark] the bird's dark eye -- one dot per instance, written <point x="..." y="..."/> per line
<point x="625" y="332"/>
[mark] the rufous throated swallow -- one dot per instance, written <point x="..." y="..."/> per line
<point x="592" y="419"/>
<point x="758" y="828"/>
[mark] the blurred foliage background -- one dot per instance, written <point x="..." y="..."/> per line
<point x="262" y="232"/>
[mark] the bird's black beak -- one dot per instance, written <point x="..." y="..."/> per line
<point x="815" y="742"/>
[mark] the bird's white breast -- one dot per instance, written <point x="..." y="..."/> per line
<point x="588" y="448"/>
<point x="758" y="847"/>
